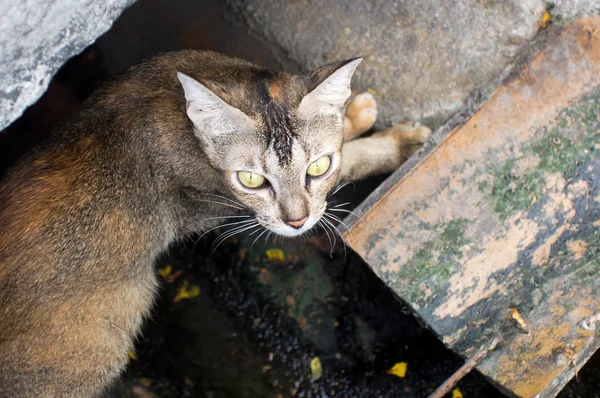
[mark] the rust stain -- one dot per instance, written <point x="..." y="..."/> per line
<point x="474" y="282"/>
<point x="444" y="187"/>
<point x="542" y="253"/>
<point x="577" y="248"/>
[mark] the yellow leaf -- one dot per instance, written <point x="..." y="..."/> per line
<point x="132" y="355"/>
<point x="276" y="255"/>
<point x="166" y="271"/>
<point x="546" y="19"/>
<point x="316" y="370"/>
<point x="187" y="291"/>
<point x="456" y="393"/>
<point x="399" y="369"/>
<point x="373" y="92"/>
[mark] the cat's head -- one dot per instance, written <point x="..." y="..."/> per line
<point x="277" y="139"/>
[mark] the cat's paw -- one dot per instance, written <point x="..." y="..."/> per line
<point x="408" y="136"/>
<point x="361" y="115"/>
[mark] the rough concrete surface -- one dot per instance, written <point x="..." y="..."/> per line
<point x="569" y="9"/>
<point x="37" y="37"/>
<point x="424" y="58"/>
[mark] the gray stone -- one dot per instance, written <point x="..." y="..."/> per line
<point x="423" y="58"/>
<point x="565" y="10"/>
<point x="37" y="37"/>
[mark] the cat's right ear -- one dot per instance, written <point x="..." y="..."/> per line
<point x="329" y="87"/>
<point x="210" y="114"/>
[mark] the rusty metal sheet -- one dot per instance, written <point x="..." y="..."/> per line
<point x="505" y="213"/>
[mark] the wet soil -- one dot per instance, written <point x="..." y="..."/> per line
<point x="253" y="317"/>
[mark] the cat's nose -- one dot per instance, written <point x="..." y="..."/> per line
<point x="297" y="223"/>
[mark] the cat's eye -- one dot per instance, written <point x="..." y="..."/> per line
<point x="319" y="166"/>
<point x="250" y="180"/>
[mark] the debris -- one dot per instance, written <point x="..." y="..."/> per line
<point x="186" y="291"/>
<point x="464" y="370"/>
<point x="399" y="369"/>
<point x="167" y="273"/>
<point x="275" y="255"/>
<point x="131" y="355"/>
<point x="456" y="393"/>
<point x="316" y="370"/>
<point x="514" y="314"/>
<point x="546" y="19"/>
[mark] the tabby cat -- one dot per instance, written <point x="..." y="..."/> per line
<point x="169" y="149"/>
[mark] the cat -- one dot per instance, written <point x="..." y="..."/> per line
<point x="171" y="148"/>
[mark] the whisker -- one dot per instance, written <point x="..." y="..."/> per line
<point x="226" y="235"/>
<point x="328" y="224"/>
<point x="216" y="218"/>
<point x="219" y="203"/>
<point x="328" y="238"/>
<point x="218" y="226"/>
<point x="342" y="186"/>
<point x="351" y="213"/>
<point x="343" y="204"/>
<point x="229" y="236"/>
<point x="223" y="197"/>
<point x="257" y="238"/>
<point x="340" y="234"/>
<point x="226" y="225"/>
<point x="337" y="219"/>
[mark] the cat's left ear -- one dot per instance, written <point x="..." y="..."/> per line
<point x="329" y="87"/>
<point x="211" y="116"/>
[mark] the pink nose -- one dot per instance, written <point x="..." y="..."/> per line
<point x="298" y="223"/>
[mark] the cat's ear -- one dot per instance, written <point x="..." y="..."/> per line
<point x="209" y="113"/>
<point x="329" y="87"/>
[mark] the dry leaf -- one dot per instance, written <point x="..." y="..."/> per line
<point x="167" y="273"/>
<point x="186" y="291"/>
<point x="275" y="255"/>
<point x="316" y="370"/>
<point x="456" y="393"/>
<point x="132" y="355"/>
<point x="399" y="369"/>
<point x="546" y="19"/>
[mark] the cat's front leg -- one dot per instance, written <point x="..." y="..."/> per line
<point x="382" y="152"/>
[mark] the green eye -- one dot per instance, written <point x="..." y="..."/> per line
<point x="319" y="166"/>
<point x="250" y="180"/>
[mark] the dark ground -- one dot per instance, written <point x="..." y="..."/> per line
<point x="256" y="322"/>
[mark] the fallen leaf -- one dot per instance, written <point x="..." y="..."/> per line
<point x="167" y="273"/>
<point x="456" y="393"/>
<point x="373" y="92"/>
<point x="145" y="382"/>
<point x="132" y="355"/>
<point x="186" y="291"/>
<point x="399" y="369"/>
<point x="275" y="255"/>
<point x="316" y="370"/>
<point x="546" y="19"/>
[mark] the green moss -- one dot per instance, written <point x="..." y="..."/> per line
<point x="511" y="192"/>
<point x="437" y="260"/>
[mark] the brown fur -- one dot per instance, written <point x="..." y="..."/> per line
<point x="84" y="216"/>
